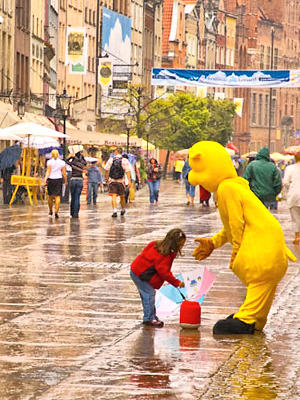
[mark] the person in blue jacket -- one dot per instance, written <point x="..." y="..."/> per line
<point x="94" y="180"/>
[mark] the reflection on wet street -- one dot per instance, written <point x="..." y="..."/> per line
<point x="71" y="317"/>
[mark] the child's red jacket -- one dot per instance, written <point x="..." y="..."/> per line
<point x="154" y="268"/>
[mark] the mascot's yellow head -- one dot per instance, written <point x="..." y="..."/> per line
<point x="210" y="164"/>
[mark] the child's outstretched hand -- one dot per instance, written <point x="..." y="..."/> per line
<point x="204" y="249"/>
<point x="181" y="284"/>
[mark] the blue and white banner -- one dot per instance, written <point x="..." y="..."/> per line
<point x="226" y="78"/>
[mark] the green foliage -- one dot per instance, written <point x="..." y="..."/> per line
<point x="184" y="119"/>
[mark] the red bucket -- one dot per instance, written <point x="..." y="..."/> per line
<point x="190" y="314"/>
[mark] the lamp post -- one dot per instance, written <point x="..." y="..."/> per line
<point x="271" y="92"/>
<point x="63" y="103"/>
<point x="128" y="123"/>
<point x="147" y="129"/>
<point x="21" y="108"/>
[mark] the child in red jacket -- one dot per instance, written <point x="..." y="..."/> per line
<point x="152" y="268"/>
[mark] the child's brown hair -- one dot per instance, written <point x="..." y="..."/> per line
<point x="171" y="243"/>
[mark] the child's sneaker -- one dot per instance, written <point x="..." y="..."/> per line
<point x="154" y="323"/>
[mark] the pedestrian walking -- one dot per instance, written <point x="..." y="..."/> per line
<point x="7" y="187"/>
<point x="189" y="189"/>
<point x="204" y="196"/>
<point x="259" y="255"/>
<point x="178" y="166"/>
<point x="55" y="173"/>
<point x="263" y="177"/>
<point x="291" y="182"/>
<point x="116" y="168"/>
<point x="153" y="179"/>
<point x="152" y="268"/>
<point x="94" y="180"/>
<point x="130" y="192"/>
<point x="77" y="163"/>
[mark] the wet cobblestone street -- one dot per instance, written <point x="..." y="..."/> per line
<point x="70" y="316"/>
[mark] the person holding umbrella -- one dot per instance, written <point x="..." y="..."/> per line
<point x="56" y="170"/>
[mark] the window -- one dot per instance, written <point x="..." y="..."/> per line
<point x="262" y="55"/>
<point x="266" y="117"/>
<point x="273" y="112"/>
<point x="268" y="58"/>
<point x="254" y="105"/>
<point x="260" y="104"/>
<point x="276" y="58"/>
<point x="259" y="145"/>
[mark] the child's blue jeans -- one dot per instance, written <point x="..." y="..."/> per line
<point x="147" y="293"/>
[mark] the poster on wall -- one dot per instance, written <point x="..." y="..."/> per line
<point x="76" y="50"/>
<point x="116" y="47"/>
<point x="238" y="106"/>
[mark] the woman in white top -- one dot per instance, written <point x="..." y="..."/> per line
<point x="291" y="182"/>
<point x="56" y="170"/>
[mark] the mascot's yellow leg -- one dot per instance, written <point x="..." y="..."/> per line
<point x="257" y="304"/>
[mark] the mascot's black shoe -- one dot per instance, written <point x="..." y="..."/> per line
<point x="232" y="325"/>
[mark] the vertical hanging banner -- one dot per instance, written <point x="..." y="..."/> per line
<point x="238" y="106"/>
<point x="105" y="73"/>
<point x="116" y="45"/>
<point x="76" y="50"/>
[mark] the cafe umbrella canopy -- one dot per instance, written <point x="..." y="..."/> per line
<point x="32" y="183"/>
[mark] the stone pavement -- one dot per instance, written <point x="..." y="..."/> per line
<point x="70" y="317"/>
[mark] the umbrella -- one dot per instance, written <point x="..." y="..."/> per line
<point x="292" y="150"/>
<point x="9" y="156"/>
<point x="197" y="284"/>
<point x="280" y="157"/>
<point x="30" y="128"/>
<point x="40" y="142"/>
<point x="231" y="152"/>
<point x="8" y="136"/>
<point x="252" y="154"/>
<point x="232" y="147"/>
<point x="91" y="159"/>
<point x="184" y="152"/>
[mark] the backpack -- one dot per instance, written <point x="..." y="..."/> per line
<point x="116" y="170"/>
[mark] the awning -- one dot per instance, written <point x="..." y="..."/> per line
<point x="9" y="118"/>
<point x="100" y="139"/>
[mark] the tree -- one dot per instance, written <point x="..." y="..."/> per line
<point x="184" y="119"/>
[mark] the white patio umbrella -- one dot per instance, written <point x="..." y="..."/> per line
<point x="40" y="142"/>
<point x="8" y="136"/>
<point x="32" y="129"/>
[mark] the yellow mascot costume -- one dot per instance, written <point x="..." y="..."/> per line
<point x="259" y="255"/>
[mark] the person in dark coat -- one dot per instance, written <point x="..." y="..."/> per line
<point x="264" y="178"/>
<point x="7" y="186"/>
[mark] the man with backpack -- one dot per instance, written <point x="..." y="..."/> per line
<point x="115" y="170"/>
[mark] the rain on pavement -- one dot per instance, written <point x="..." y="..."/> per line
<point x="71" y="317"/>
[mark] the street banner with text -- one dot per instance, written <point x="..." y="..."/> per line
<point x="226" y="78"/>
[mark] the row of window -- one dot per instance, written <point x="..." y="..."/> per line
<point x="37" y="51"/>
<point x="265" y="58"/>
<point x="260" y="109"/>
<point x="256" y="146"/>
<point x="90" y="16"/>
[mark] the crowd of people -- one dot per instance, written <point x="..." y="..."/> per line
<point x="243" y="202"/>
